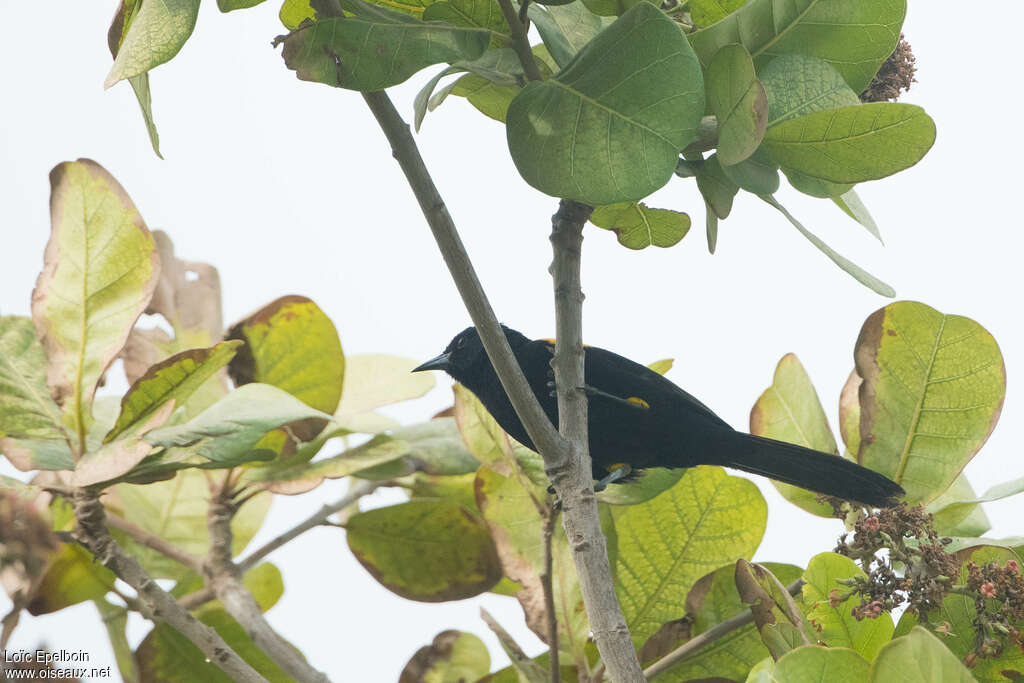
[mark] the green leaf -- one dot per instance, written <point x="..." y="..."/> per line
<point x="140" y="84"/>
<point x="37" y="454"/>
<point x="486" y="93"/>
<point x="576" y="137"/>
<point x="637" y="226"/>
<point x="114" y="459"/>
<point x="99" y="272"/>
<point x="814" y="664"/>
<point x="918" y="657"/>
<point x="373" y="381"/>
<point x="566" y="29"/>
<point x="816" y="187"/>
<point x="452" y="656"/>
<point x="706" y="520"/>
<point x="711" y="227"/>
<point x="174" y="379"/>
<point x="265" y="583"/>
<point x="291" y="344"/>
<point x="757" y="174"/>
<point x="851" y="204"/>
<point x="854" y="37"/>
<point x="498" y="67"/>
<point x="294" y="12"/>
<point x="716" y="187"/>
<point x="376" y="48"/>
<point x="958" y="511"/>
<point x="858" y="273"/>
<point x="157" y="32"/>
<point x="997" y="492"/>
<point x="703" y="13"/>
<point x="427" y="550"/>
<point x="849" y="413"/>
<point x="799" y="84"/>
<point x="229" y="5"/>
<point x="511" y="505"/>
<point x="932" y="393"/>
<point x="738" y="100"/>
<point x="167" y="656"/>
<point x="648" y="483"/>
<point x="229" y="428"/>
<point x="789" y="410"/>
<point x="853" y="144"/>
<point x="71" y="576"/>
<point x="837" y="626"/>
<point x="483" y="14"/>
<point x="26" y="409"/>
<point x="176" y="511"/>
<point x="115" y="620"/>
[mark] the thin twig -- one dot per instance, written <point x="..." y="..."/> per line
<point x="520" y="40"/>
<point x="92" y="533"/>
<point x="711" y="635"/>
<point x="547" y="584"/>
<point x="226" y="580"/>
<point x="196" y="599"/>
<point x="359" y="489"/>
<point x="154" y="542"/>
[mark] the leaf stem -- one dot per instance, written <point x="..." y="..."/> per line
<point x="520" y="39"/>
<point x="707" y="637"/>
<point x="546" y="582"/>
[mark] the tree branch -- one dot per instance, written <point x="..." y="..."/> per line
<point x="570" y="471"/>
<point x="359" y="489"/>
<point x="711" y="635"/>
<point x="404" y="149"/>
<point x="520" y="39"/>
<point x="154" y="542"/>
<point x="225" y="578"/>
<point x="92" y="533"/>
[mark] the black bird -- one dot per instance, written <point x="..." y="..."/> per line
<point x="639" y="419"/>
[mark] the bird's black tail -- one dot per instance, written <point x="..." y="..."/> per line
<point x="809" y="469"/>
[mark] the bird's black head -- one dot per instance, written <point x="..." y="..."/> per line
<point x="465" y="359"/>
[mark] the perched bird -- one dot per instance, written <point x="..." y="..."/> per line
<point x="639" y="419"/>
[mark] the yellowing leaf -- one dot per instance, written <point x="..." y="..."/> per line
<point x="99" y="272"/>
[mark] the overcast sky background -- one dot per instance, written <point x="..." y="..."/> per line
<point x="289" y="188"/>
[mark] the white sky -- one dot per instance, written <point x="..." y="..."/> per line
<point x="289" y="187"/>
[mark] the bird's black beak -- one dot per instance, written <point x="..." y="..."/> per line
<point x="442" y="362"/>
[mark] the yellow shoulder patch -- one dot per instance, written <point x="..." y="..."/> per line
<point x="639" y="401"/>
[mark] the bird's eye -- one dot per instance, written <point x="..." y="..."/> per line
<point x="461" y="343"/>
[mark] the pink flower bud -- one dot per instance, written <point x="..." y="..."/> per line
<point x="988" y="589"/>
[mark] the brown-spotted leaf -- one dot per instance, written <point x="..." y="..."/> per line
<point x="932" y="393"/>
<point x="99" y="272"/>
<point x="452" y="656"/>
<point x="776" y="614"/>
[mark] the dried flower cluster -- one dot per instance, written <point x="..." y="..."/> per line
<point x="928" y="574"/>
<point x="894" y="77"/>
<point x="929" y="568"/>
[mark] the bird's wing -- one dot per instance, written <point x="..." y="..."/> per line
<point x="621" y="377"/>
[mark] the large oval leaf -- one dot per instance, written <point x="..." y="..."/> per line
<point x="377" y="48"/>
<point x="855" y="37"/>
<point x="638" y="226"/>
<point x="706" y="520"/>
<point x="918" y="657"/>
<point x="933" y="389"/>
<point x="609" y="127"/>
<point x="427" y="550"/>
<point x="853" y="144"/>
<point x="814" y="664"/>
<point x="99" y="272"/>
